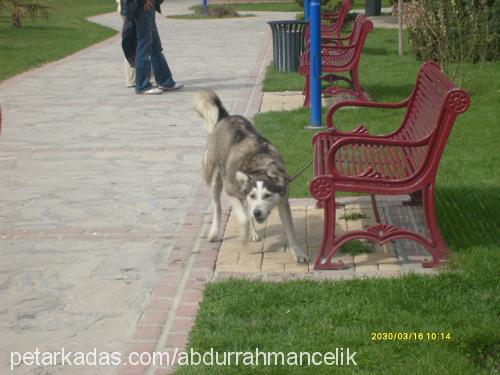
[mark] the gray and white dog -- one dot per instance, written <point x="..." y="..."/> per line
<point x="248" y="167"/>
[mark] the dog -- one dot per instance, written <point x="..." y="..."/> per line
<point x="249" y="169"/>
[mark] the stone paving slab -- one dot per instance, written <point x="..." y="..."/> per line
<point x="270" y="258"/>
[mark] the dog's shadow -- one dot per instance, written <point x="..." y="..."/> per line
<point x="274" y="233"/>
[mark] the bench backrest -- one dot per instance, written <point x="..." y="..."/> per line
<point x="362" y="26"/>
<point x="432" y="109"/>
<point x="338" y="20"/>
<point x="431" y="99"/>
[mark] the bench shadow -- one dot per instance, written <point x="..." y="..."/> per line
<point x="469" y="216"/>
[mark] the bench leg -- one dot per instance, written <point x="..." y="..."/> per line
<point x="438" y="248"/>
<point x="307" y="92"/>
<point x="356" y="86"/>
<point x="326" y="249"/>
<point x="415" y="199"/>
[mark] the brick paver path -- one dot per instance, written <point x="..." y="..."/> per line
<point x="101" y="211"/>
<point x="270" y="259"/>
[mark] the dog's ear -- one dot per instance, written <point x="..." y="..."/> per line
<point x="278" y="174"/>
<point x="242" y="179"/>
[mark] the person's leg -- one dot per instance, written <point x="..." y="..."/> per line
<point x="163" y="75"/>
<point x="129" y="74"/>
<point x="128" y="70"/>
<point x="145" y="30"/>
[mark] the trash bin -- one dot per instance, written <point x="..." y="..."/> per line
<point x="288" y="44"/>
<point x="373" y="7"/>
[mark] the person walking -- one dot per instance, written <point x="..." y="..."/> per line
<point x="148" y="53"/>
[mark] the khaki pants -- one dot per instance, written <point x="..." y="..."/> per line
<point x="129" y="74"/>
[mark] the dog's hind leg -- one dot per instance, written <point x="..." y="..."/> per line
<point x="286" y="219"/>
<point x="241" y="213"/>
<point x="215" y="190"/>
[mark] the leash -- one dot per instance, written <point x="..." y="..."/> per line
<point x="302" y="170"/>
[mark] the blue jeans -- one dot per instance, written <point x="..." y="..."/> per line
<point x="149" y="54"/>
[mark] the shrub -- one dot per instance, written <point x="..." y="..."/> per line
<point x="454" y="31"/>
<point x="217" y="11"/>
<point x="20" y="8"/>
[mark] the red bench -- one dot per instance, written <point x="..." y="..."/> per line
<point x="337" y="59"/>
<point x="402" y="162"/>
<point x="336" y="20"/>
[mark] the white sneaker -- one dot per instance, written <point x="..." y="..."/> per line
<point x="177" y="86"/>
<point x="152" y="91"/>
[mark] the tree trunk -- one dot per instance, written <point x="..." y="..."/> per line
<point x="16" y="18"/>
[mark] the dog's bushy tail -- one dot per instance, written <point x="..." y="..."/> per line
<point x="208" y="105"/>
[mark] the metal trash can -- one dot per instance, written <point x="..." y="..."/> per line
<point x="288" y="44"/>
<point x="373" y="7"/>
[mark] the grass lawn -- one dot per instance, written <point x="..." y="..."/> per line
<point x="296" y="316"/>
<point x="308" y="316"/>
<point x="195" y="16"/>
<point x="259" y="7"/>
<point x="66" y="32"/>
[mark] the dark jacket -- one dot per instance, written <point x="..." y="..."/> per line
<point x="132" y="8"/>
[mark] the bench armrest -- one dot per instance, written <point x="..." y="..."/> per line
<point x="366" y="140"/>
<point x="358" y="131"/>
<point x="361" y="103"/>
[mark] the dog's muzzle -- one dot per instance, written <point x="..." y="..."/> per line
<point x="259" y="216"/>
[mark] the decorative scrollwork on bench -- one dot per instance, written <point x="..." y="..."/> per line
<point x="322" y="188"/>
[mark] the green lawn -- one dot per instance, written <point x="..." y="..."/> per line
<point x="308" y="316"/>
<point x="296" y="316"/>
<point x="195" y="16"/>
<point x="66" y="32"/>
<point x="259" y="7"/>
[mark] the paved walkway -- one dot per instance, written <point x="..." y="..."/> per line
<point x="101" y="211"/>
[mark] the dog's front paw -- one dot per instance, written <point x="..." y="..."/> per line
<point x="254" y="237"/>
<point x="299" y="255"/>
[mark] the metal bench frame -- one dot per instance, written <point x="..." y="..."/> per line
<point x="402" y="162"/>
<point x="332" y="32"/>
<point x="337" y="59"/>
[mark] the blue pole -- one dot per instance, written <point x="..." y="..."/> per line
<point x="204" y="8"/>
<point x="315" y="63"/>
<point x="306" y="9"/>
